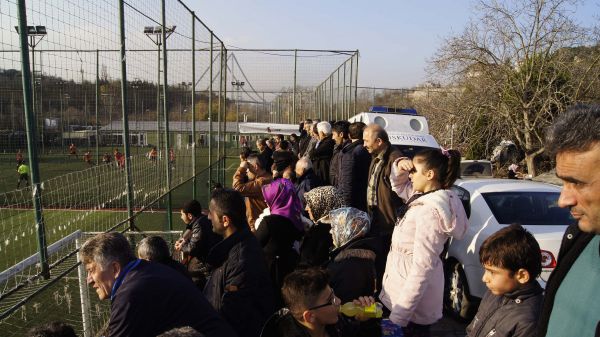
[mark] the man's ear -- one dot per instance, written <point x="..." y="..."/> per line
<point x="522" y="276"/>
<point x="226" y="221"/>
<point x="308" y="316"/>
<point x="189" y="216"/>
<point x="115" y="268"/>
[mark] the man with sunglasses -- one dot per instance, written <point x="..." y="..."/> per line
<point x="312" y="308"/>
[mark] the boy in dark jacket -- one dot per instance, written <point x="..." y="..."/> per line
<point x="511" y="307"/>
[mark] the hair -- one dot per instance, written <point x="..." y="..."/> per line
<point x="52" y="329"/>
<point x="257" y="160"/>
<point x="308" y="121"/>
<point x="342" y="127"/>
<point x="262" y="141"/>
<point x="304" y="163"/>
<point x="105" y="248"/>
<point x="378" y="132"/>
<point x="293" y="137"/>
<point x="192" y="207"/>
<point x="314" y="128"/>
<point x="512" y="248"/>
<point x="324" y="127"/>
<point x="355" y="130"/>
<point x="301" y="289"/>
<point x="577" y="129"/>
<point x="446" y="167"/>
<point x="185" y="331"/>
<point x="245" y="152"/>
<point x="280" y="137"/>
<point x="153" y="248"/>
<point x="284" y="145"/>
<point x="231" y="203"/>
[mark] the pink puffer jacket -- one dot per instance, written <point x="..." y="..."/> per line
<point x="413" y="283"/>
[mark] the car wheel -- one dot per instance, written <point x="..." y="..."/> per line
<point x="458" y="299"/>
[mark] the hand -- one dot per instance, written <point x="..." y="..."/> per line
<point x="405" y="165"/>
<point x="179" y="244"/>
<point x="363" y="301"/>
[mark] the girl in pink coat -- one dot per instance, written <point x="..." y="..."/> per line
<point x="413" y="283"/>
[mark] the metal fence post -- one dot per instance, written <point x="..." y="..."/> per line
<point x="193" y="109"/>
<point x="84" y="295"/>
<point x="166" y="113"/>
<point x="210" y="114"/>
<point x="295" y="77"/>
<point x="97" y="106"/>
<point x="224" y="115"/>
<point x="219" y="107"/>
<point x="350" y="88"/>
<point x="125" y="121"/>
<point x="31" y="141"/>
<point x="355" y="83"/>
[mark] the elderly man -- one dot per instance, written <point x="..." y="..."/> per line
<point x="323" y="151"/>
<point x="146" y="298"/>
<point x="572" y="302"/>
<point x="306" y="178"/>
<point x="239" y="287"/>
<point x="249" y="179"/>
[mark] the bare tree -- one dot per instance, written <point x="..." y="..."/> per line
<point x="515" y="75"/>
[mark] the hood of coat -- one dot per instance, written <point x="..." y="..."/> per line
<point x="449" y="208"/>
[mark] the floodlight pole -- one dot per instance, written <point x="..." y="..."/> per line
<point x="31" y="141"/>
<point x="238" y="85"/>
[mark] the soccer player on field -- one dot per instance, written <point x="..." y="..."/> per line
<point x="73" y="150"/>
<point x="23" y="171"/>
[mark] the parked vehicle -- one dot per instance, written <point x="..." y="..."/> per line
<point x="492" y="204"/>
<point x="476" y="169"/>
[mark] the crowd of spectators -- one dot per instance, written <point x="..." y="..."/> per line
<point x="336" y="215"/>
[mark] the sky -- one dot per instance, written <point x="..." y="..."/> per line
<point x="395" y="37"/>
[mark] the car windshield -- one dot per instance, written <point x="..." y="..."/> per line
<point x="476" y="169"/>
<point x="528" y="208"/>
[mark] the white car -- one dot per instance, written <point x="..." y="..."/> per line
<point x="492" y="204"/>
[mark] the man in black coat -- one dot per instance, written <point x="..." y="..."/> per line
<point x="340" y="137"/>
<point x="571" y="303"/>
<point x="322" y="153"/>
<point x="146" y="298"/>
<point x="265" y="153"/>
<point x="353" y="175"/>
<point x="304" y="137"/>
<point x="239" y="287"/>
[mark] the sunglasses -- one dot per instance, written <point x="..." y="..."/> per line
<point x="331" y="300"/>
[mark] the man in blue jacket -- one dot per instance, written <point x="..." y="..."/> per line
<point x="239" y="286"/>
<point x="146" y="298"/>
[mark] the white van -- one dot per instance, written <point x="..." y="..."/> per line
<point x="408" y="132"/>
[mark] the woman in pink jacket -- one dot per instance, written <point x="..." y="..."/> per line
<point x="413" y="283"/>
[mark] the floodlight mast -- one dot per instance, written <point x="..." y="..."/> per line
<point x="154" y="33"/>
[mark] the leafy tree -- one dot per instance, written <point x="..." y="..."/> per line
<point x="512" y="62"/>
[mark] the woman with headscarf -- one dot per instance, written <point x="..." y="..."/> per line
<point x="317" y="240"/>
<point x="278" y="231"/>
<point x="351" y="264"/>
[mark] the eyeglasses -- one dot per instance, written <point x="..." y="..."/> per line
<point x="331" y="300"/>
